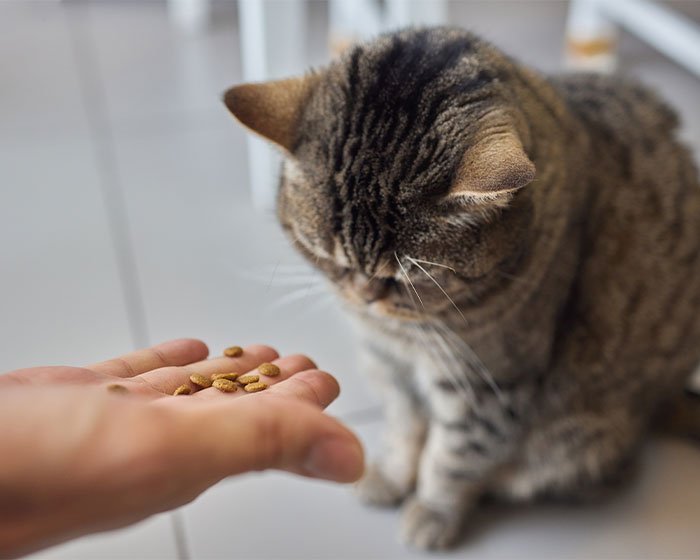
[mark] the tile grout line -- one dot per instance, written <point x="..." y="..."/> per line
<point x="114" y="200"/>
<point x="109" y="181"/>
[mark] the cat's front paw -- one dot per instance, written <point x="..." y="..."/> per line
<point x="375" y="489"/>
<point x="427" y="528"/>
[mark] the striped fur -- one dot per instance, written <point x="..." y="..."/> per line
<point x="523" y="336"/>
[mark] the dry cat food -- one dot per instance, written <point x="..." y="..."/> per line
<point x="233" y="351"/>
<point x="225" y="385"/>
<point x="116" y="388"/>
<point x="182" y="390"/>
<point x="230" y="376"/>
<point x="225" y="382"/>
<point x="248" y="378"/>
<point x="270" y="370"/>
<point x="255" y="387"/>
<point x="200" y="380"/>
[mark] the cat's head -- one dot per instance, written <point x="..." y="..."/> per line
<point x="401" y="158"/>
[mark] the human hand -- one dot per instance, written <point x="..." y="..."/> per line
<point x="78" y="458"/>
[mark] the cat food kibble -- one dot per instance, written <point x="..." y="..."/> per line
<point x="233" y="351"/>
<point x="200" y="380"/>
<point x="182" y="390"/>
<point x="270" y="370"/>
<point x="248" y="378"/>
<point x="225" y="385"/>
<point x="116" y="388"/>
<point x="255" y="387"/>
<point x="230" y="376"/>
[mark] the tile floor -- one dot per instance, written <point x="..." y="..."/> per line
<point x="126" y="219"/>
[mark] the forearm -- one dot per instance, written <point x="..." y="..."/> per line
<point x="64" y="456"/>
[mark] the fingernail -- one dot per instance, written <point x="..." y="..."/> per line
<point x="334" y="458"/>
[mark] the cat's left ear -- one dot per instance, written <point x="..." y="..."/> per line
<point x="497" y="165"/>
<point x="271" y="109"/>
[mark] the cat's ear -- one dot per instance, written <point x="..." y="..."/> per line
<point x="495" y="166"/>
<point x="271" y="109"/>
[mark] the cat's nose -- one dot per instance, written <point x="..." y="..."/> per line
<point x="372" y="289"/>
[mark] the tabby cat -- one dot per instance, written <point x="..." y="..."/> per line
<point x="521" y="253"/>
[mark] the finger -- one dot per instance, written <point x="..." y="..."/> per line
<point x="288" y="365"/>
<point x="267" y="433"/>
<point x="172" y="353"/>
<point x="313" y="386"/>
<point x="166" y="380"/>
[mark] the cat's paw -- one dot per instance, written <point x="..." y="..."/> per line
<point x="428" y="528"/>
<point x="375" y="489"/>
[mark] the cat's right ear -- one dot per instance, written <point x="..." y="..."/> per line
<point x="271" y="109"/>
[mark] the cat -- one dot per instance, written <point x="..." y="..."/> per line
<point x="521" y="254"/>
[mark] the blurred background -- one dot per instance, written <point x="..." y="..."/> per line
<point x="133" y="210"/>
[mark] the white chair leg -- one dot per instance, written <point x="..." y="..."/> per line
<point x="352" y="21"/>
<point x="272" y="36"/>
<point x="191" y="16"/>
<point x="401" y="13"/>
<point x="667" y="31"/>
<point x="590" y="37"/>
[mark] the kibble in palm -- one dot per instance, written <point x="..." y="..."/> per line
<point x="182" y="390"/>
<point x="225" y="385"/>
<point x="233" y="351"/>
<point x="255" y="387"/>
<point x="269" y="370"/>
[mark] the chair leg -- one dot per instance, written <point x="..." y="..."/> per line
<point x="591" y="43"/>
<point x="668" y="31"/>
<point x="401" y="13"/>
<point x="272" y="38"/>
<point x="192" y="16"/>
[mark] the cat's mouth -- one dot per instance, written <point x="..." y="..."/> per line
<point x="382" y="308"/>
<point x="393" y="310"/>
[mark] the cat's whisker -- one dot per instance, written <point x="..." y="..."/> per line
<point x="430" y="349"/>
<point x="294" y="279"/>
<point x="287" y="266"/>
<point x="376" y="272"/>
<point x="314" y="280"/>
<point x="272" y="277"/>
<point x="419" y="329"/>
<point x="474" y="361"/>
<point x="277" y="280"/>
<point x="279" y="268"/>
<point x="447" y="355"/>
<point x="318" y="304"/>
<point x="405" y="274"/>
<point x="295" y="295"/>
<point x="454" y="379"/>
<point x="451" y="348"/>
<point x="415" y="262"/>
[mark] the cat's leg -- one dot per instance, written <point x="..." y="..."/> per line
<point x="392" y="476"/>
<point x="578" y="458"/>
<point x="465" y="446"/>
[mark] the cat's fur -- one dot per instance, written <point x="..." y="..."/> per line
<point x="534" y="364"/>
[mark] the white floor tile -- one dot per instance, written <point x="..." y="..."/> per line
<point x="273" y="515"/>
<point x="40" y="92"/>
<point x="60" y="295"/>
<point x="155" y="75"/>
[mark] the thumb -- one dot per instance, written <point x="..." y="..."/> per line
<point x="274" y="432"/>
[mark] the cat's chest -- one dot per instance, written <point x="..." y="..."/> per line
<point x="419" y="355"/>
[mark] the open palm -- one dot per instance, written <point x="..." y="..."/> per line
<point x="81" y="457"/>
